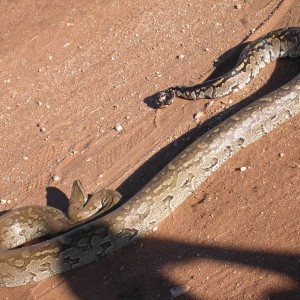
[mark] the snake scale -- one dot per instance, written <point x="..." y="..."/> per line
<point x="170" y="187"/>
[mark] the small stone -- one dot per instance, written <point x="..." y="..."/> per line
<point x="242" y="169"/>
<point x="206" y="49"/>
<point x="154" y="228"/>
<point x="73" y="151"/>
<point x="25" y="157"/>
<point x="56" y="178"/>
<point x="198" y="115"/>
<point x="3" y="201"/>
<point x="180" y="56"/>
<point x="122" y="268"/>
<point x="281" y="154"/>
<point x="209" y="104"/>
<point x="43" y="129"/>
<point x="158" y="75"/>
<point x="179" y="290"/>
<point x="237" y="6"/>
<point x="118" y="127"/>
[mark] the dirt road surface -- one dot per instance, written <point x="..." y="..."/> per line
<point x="72" y="70"/>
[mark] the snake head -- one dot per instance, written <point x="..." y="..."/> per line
<point x="164" y="98"/>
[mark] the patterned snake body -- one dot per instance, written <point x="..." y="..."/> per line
<point x="166" y="191"/>
<point x="274" y="45"/>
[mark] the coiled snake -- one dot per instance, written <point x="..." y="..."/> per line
<point x="163" y="194"/>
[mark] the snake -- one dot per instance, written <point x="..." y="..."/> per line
<point x="79" y="239"/>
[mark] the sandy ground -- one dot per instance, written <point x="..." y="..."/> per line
<point x="72" y="70"/>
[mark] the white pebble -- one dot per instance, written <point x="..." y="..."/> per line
<point x="118" y="127"/>
<point x="179" y="290"/>
<point x="281" y="154"/>
<point x="180" y="56"/>
<point x="242" y="169"/>
<point x="198" y="115"/>
<point x="154" y="228"/>
<point x="56" y="178"/>
<point x="25" y="157"/>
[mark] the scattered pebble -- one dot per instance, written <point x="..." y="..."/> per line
<point x="25" y="157"/>
<point x="158" y="75"/>
<point x="281" y="154"/>
<point x="56" y="178"/>
<point x="242" y="169"/>
<point x="180" y="56"/>
<point x="179" y="290"/>
<point x="209" y="104"/>
<point x="73" y="151"/>
<point x="206" y="49"/>
<point x="154" y="228"/>
<point x="42" y="129"/>
<point x="237" y="6"/>
<point x="198" y="115"/>
<point x="118" y="127"/>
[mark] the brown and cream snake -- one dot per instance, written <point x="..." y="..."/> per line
<point x="166" y="191"/>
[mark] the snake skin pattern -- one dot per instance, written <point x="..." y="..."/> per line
<point x="169" y="188"/>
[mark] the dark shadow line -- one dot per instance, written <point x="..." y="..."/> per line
<point x="150" y="284"/>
